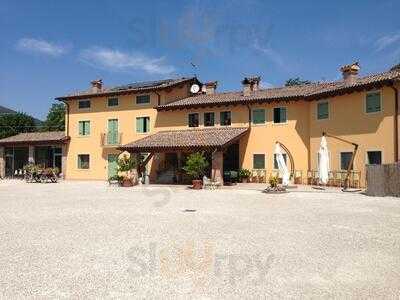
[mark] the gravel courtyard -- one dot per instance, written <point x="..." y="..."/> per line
<point x="85" y="239"/>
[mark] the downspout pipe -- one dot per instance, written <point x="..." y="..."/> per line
<point x="396" y="123"/>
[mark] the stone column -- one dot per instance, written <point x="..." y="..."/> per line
<point x="64" y="161"/>
<point x="31" y="157"/>
<point x="217" y="166"/>
<point x="179" y="176"/>
<point x="2" y="163"/>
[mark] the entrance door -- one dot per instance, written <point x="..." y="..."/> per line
<point x="112" y="165"/>
<point x="112" y="136"/>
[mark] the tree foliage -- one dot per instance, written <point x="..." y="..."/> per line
<point x="55" y="120"/>
<point x="296" y="81"/>
<point x="12" y="124"/>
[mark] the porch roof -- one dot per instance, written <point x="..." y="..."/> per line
<point x="34" y="138"/>
<point x="187" y="139"/>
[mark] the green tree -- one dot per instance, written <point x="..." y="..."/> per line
<point x="196" y="165"/>
<point x="55" y="120"/>
<point x="12" y="124"/>
<point x="396" y="67"/>
<point x="296" y="81"/>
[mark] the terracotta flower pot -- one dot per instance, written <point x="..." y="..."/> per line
<point x="245" y="180"/>
<point x="127" y="182"/>
<point x="197" y="184"/>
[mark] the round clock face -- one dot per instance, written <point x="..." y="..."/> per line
<point x="194" y="89"/>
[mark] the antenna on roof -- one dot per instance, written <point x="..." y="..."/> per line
<point x="194" y="67"/>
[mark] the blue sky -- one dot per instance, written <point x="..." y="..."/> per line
<point x="50" y="48"/>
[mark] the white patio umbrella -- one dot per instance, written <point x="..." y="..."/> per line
<point x="283" y="170"/>
<point x="323" y="166"/>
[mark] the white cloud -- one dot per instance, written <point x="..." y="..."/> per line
<point x="40" y="46"/>
<point x="116" y="60"/>
<point x="274" y="56"/>
<point x="266" y="85"/>
<point x="387" y="41"/>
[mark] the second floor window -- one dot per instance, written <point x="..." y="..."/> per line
<point x="84" y="104"/>
<point x="193" y="120"/>
<point x="84" y="128"/>
<point x="225" y="118"/>
<point x="209" y="119"/>
<point x="322" y="110"/>
<point x="112" y="102"/>
<point x="143" y="99"/>
<point x="143" y="124"/>
<point x="280" y="115"/>
<point x="373" y="102"/>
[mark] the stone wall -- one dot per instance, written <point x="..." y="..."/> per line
<point x="383" y="180"/>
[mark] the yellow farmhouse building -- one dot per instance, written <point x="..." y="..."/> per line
<point x="168" y="119"/>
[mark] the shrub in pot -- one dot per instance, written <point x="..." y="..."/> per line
<point x="126" y="169"/>
<point x="244" y="175"/>
<point x="195" y="167"/>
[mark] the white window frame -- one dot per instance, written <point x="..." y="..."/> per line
<point x="373" y="150"/>
<point x="112" y="106"/>
<point x="143" y="104"/>
<point x="287" y="115"/>
<point x="365" y="102"/>
<point x="329" y="110"/>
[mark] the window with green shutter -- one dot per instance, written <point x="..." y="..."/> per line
<point x="84" y="128"/>
<point x="143" y="124"/>
<point x="112" y="133"/>
<point x="258" y="161"/>
<point x="280" y="115"/>
<point x="143" y="99"/>
<point x="322" y="110"/>
<point x="373" y="102"/>
<point x="259" y="116"/>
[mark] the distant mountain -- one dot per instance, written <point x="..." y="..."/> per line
<point x="5" y="110"/>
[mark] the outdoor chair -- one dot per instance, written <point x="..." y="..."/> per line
<point x="309" y="177"/>
<point x="208" y="184"/>
<point x="315" y="177"/>
<point x="355" y="179"/>
<point x="331" y="179"/>
<point x="338" y="178"/>
<point x="298" y="177"/>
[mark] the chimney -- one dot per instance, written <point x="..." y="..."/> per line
<point x="250" y="85"/>
<point x="350" y="72"/>
<point x="210" y="87"/>
<point x="97" y="85"/>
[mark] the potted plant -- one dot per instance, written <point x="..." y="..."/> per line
<point x="195" y="167"/>
<point x="126" y="166"/>
<point x="273" y="182"/>
<point x="244" y="175"/>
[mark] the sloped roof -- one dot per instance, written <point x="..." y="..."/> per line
<point x="36" y="137"/>
<point x="129" y="88"/>
<point x="307" y="92"/>
<point x="187" y="139"/>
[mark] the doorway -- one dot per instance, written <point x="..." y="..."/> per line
<point x="112" y="165"/>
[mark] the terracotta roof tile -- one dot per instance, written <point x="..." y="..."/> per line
<point x="191" y="138"/>
<point x="129" y="88"/>
<point x="306" y="91"/>
<point x="35" y="137"/>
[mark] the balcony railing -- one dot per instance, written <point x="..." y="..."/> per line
<point x="111" y="139"/>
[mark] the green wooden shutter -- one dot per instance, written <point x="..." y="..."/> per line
<point x="139" y="125"/>
<point x="147" y="124"/>
<point x="373" y="102"/>
<point x="112" y="136"/>
<point x="283" y="114"/>
<point x="259" y="116"/>
<point x="87" y="128"/>
<point x="323" y="110"/>
<point x="80" y="128"/>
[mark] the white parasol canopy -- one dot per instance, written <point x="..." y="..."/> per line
<point x="283" y="170"/>
<point x="323" y="166"/>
